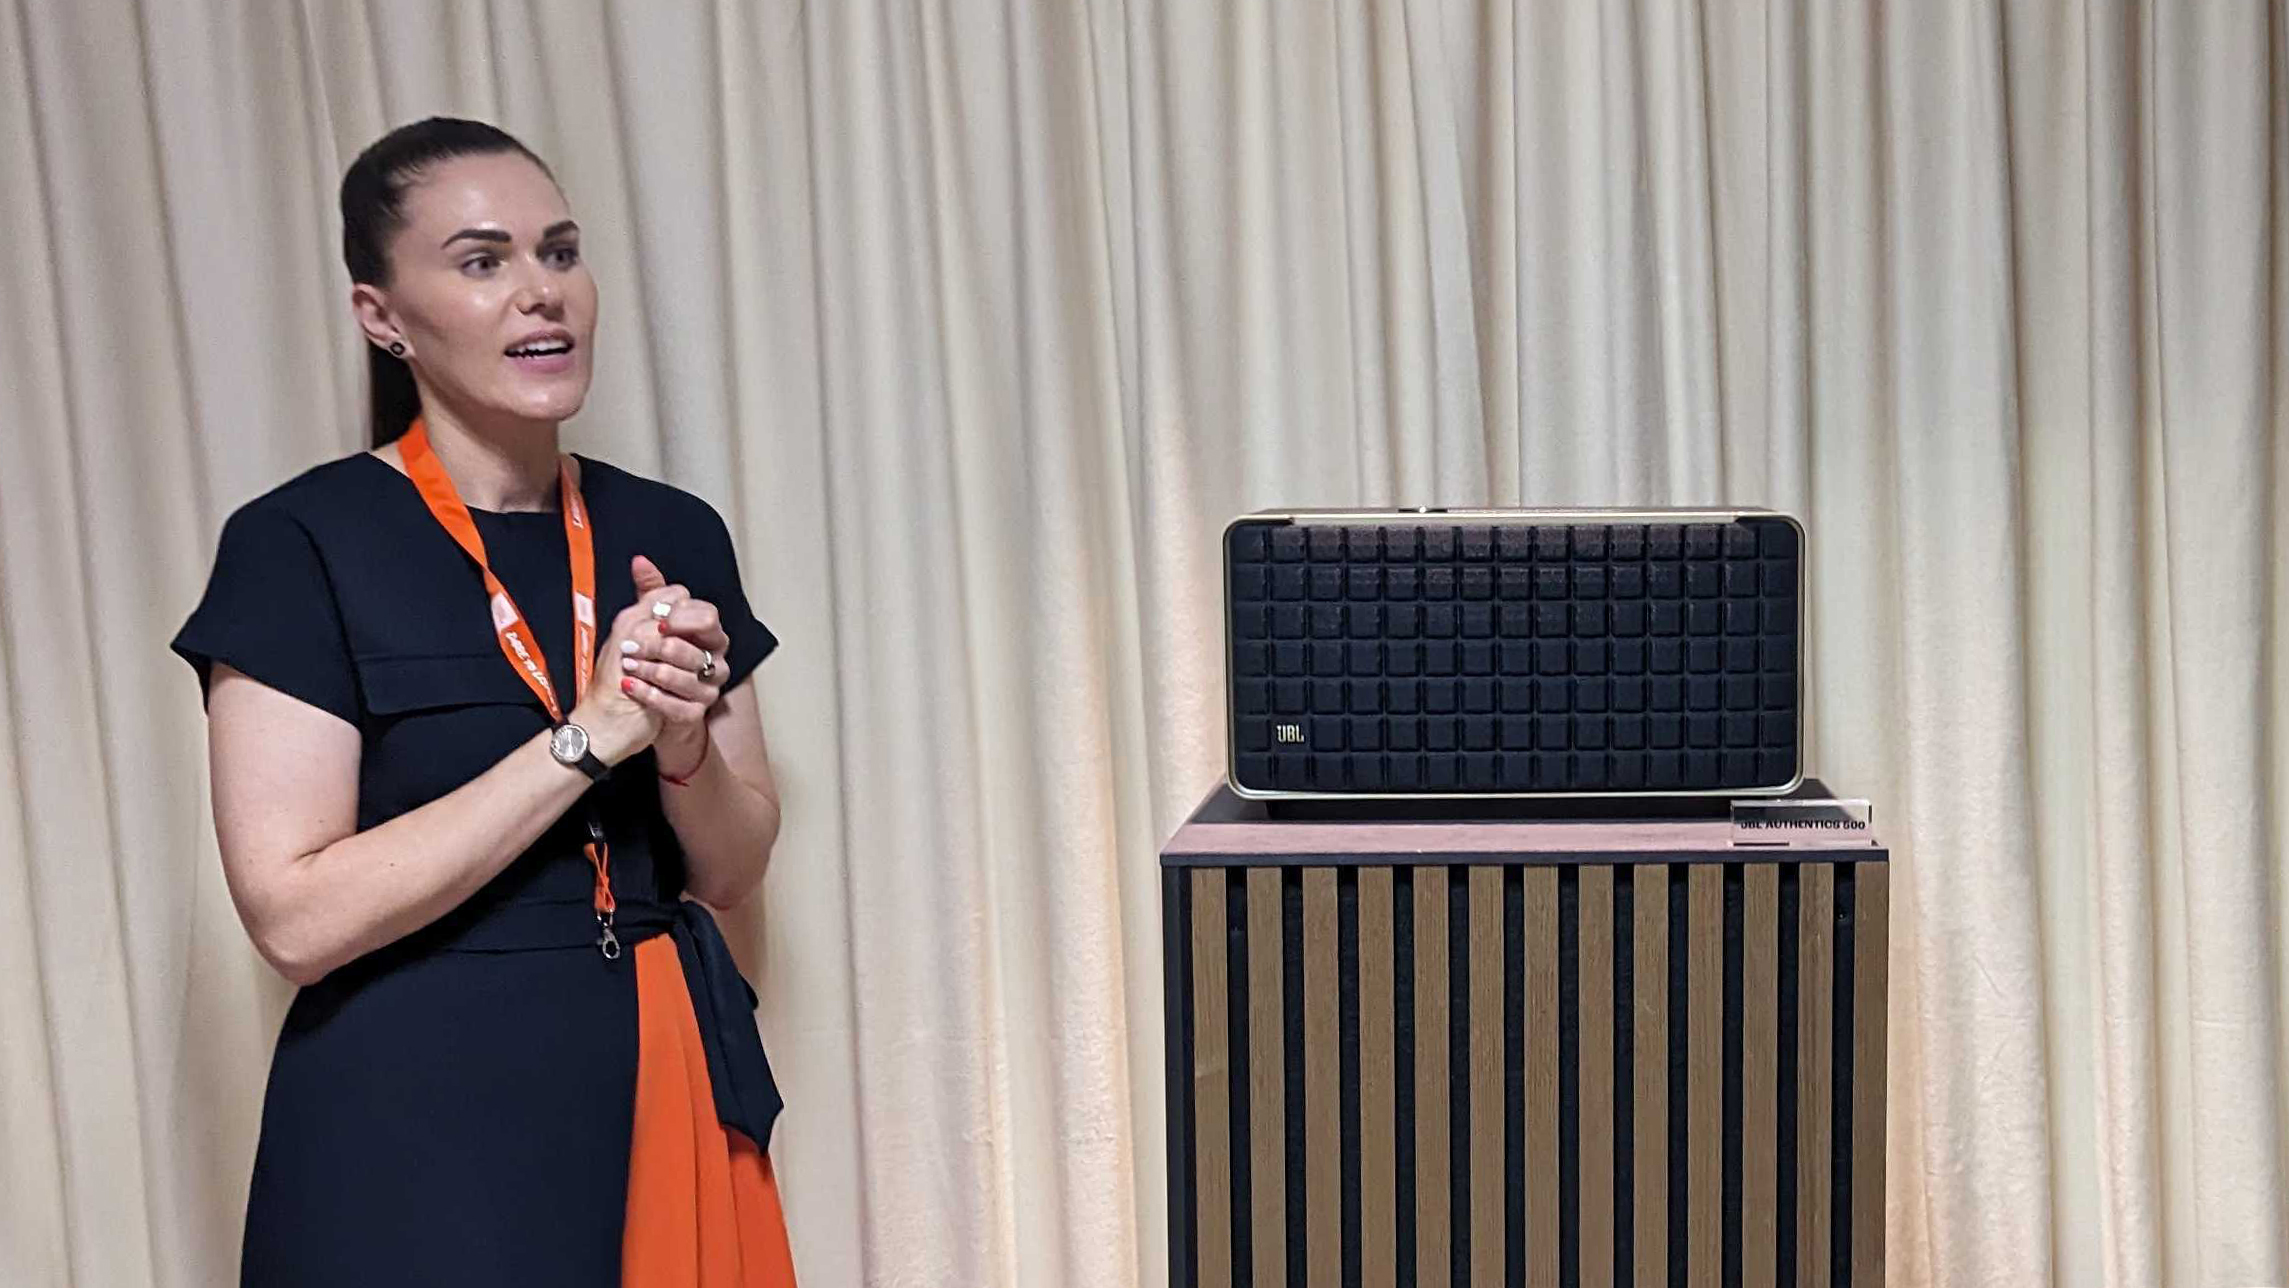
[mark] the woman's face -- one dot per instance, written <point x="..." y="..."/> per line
<point x="488" y="291"/>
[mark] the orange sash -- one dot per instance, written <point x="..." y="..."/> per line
<point x="703" y="1205"/>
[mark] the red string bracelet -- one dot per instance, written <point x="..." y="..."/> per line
<point x="685" y="781"/>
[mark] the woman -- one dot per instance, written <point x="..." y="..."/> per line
<point x="461" y="822"/>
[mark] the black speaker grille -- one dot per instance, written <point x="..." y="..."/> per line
<point x="1382" y="657"/>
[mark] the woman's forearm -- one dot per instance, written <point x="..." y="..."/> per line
<point x="727" y="827"/>
<point x="321" y="910"/>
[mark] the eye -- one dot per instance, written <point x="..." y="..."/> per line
<point x="480" y="264"/>
<point x="564" y="256"/>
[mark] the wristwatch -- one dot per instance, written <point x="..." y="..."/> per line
<point x="568" y="742"/>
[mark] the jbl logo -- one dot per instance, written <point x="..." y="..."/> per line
<point x="1288" y="733"/>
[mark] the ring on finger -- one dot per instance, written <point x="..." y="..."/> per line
<point x="706" y="666"/>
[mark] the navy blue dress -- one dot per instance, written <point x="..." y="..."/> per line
<point x="455" y="1108"/>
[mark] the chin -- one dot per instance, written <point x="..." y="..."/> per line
<point x="549" y="406"/>
<point x="559" y="409"/>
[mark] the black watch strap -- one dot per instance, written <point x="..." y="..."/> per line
<point x="591" y="766"/>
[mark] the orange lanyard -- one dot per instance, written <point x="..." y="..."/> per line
<point x="509" y="628"/>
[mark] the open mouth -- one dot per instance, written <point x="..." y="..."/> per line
<point x="541" y="349"/>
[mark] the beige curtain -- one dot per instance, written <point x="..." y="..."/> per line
<point x="978" y="319"/>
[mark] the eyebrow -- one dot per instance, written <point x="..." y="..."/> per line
<point x="557" y="229"/>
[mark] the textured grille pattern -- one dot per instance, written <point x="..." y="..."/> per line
<point x="1436" y="658"/>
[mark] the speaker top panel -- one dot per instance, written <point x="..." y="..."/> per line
<point x="1414" y="653"/>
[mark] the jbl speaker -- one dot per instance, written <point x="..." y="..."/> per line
<point x="1410" y="653"/>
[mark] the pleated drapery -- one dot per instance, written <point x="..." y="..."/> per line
<point x="979" y="320"/>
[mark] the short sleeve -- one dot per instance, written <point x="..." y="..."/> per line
<point x="751" y="640"/>
<point x="269" y="611"/>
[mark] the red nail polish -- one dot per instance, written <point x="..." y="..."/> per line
<point x="627" y="685"/>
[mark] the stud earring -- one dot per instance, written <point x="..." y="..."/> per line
<point x="397" y="348"/>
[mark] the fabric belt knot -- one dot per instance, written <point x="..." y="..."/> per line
<point x="746" y="1095"/>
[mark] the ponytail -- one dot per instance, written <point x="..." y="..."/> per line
<point x="393" y="401"/>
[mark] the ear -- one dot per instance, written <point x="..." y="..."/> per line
<point x="370" y="305"/>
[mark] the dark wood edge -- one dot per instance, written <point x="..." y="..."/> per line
<point x="1176" y="1000"/>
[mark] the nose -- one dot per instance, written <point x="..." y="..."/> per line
<point x="539" y="293"/>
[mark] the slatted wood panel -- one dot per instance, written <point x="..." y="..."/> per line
<point x="1378" y="1083"/>
<point x="1322" y="1066"/>
<point x="1539" y="1054"/>
<point x="1760" y="1072"/>
<point x="1434" y="996"/>
<point x="1649" y="1058"/>
<point x="1597" y="1048"/>
<point x="1815" y="1070"/>
<point x="1267" y="1079"/>
<point x="1430" y="1139"/>
<point x="1486" y="1067"/>
<point x="1704" y="1065"/>
<point x="1870" y="950"/>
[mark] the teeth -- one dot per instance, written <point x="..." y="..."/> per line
<point x="541" y="349"/>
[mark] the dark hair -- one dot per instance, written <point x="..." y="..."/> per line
<point x="373" y="210"/>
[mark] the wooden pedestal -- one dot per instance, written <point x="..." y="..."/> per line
<point x="1478" y="1051"/>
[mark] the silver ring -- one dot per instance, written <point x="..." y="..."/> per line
<point x="706" y="666"/>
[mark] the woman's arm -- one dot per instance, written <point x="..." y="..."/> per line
<point x="313" y="892"/>
<point x="726" y="814"/>
<point x="721" y="798"/>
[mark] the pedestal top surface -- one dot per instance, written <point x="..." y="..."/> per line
<point x="1228" y="829"/>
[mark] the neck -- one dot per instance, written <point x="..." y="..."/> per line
<point x="509" y="466"/>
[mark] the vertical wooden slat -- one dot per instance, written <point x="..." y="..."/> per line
<point x="1378" y="1083"/>
<point x="1211" y="1081"/>
<point x="1760" y="1070"/>
<point x="1649" y="898"/>
<point x="1433" y="1202"/>
<point x="1486" y="1098"/>
<point x="1704" y="1072"/>
<point x="1871" y="943"/>
<point x="1322" y="1074"/>
<point x="1597" y="1090"/>
<point x="1815" y="1065"/>
<point x="1541" y="1061"/>
<point x="1267" y="1080"/>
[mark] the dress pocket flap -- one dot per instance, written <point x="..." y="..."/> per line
<point x="401" y="683"/>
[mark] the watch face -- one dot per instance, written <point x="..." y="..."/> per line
<point x="569" y="743"/>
